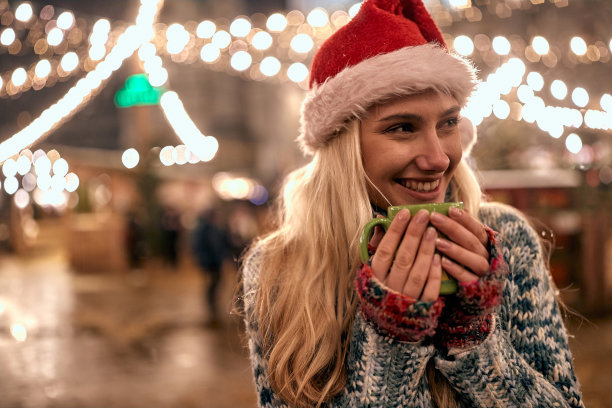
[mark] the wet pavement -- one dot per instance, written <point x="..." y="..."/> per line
<point x="141" y="339"/>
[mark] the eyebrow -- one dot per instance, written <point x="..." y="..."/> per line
<point x="414" y="116"/>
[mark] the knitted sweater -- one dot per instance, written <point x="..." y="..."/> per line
<point x="524" y="361"/>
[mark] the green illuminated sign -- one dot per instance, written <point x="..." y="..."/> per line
<point x="137" y="91"/>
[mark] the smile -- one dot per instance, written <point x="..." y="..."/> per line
<point x="419" y="186"/>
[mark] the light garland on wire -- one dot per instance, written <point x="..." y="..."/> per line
<point x="80" y="93"/>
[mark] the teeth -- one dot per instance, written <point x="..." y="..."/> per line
<point x="420" y="186"/>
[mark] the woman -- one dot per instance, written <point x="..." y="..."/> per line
<point x="382" y="121"/>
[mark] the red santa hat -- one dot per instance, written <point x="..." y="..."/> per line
<point x="390" y="48"/>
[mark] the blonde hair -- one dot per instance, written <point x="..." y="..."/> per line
<point x="306" y="301"/>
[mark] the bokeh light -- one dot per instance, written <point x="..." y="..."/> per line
<point x="558" y="89"/>
<point x="297" y="72"/>
<point x="578" y="46"/>
<point x="270" y="66"/>
<point x="535" y="81"/>
<point x="302" y="43"/>
<point x="206" y="29"/>
<point x="276" y="22"/>
<point x="540" y="45"/>
<point x="24" y="12"/>
<point x="501" y="45"/>
<point x="463" y="45"/>
<point x="318" y="17"/>
<point x="19" y="76"/>
<point x="573" y="143"/>
<point x="7" y="37"/>
<point x="130" y="158"/>
<point x="240" y="27"/>
<point x="65" y="20"/>
<point x="55" y="36"/>
<point x="221" y="39"/>
<point x="43" y="68"/>
<point x="580" y="97"/>
<point x="69" y="61"/>
<point x="210" y="53"/>
<point x="262" y="40"/>
<point x="241" y="60"/>
<point x="60" y="167"/>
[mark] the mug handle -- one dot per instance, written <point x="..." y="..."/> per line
<point x="365" y="236"/>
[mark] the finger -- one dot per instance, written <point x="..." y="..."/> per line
<point x="419" y="272"/>
<point x="383" y="258"/>
<point x="407" y="251"/>
<point x="470" y="223"/>
<point x="459" y="234"/>
<point x="434" y="280"/>
<point x="376" y="237"/>
<point x="461" y="274"/>
<point x="474" y="262"/>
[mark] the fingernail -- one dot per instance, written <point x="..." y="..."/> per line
<point x="403" y="214"/>
<point x="422" y="217"/>
<point x="430" y="234"/>
<point x="436" y="260"/>
<point x="437" y="217"/>
<point x="455" y="211"/>
<point x="442" y="243"/>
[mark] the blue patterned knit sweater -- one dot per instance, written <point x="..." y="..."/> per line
<point x="524" y="362"/>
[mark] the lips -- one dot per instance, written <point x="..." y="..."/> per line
<point x="419" y="186"/>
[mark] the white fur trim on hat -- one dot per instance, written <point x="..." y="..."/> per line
<point x="409" y="70"/>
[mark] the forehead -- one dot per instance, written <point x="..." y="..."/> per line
<point x="428" y="102"/>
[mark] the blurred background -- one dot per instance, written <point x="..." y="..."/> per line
<point x="142" y="144"/>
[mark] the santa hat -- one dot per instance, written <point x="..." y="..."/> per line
<point x="390" y="48"/>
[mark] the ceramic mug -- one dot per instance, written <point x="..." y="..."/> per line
<point x="449" y="285"/>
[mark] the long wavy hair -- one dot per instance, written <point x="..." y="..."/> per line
<point x="306" y="301"/>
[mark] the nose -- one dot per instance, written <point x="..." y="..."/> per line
<point x="432" y="157"/>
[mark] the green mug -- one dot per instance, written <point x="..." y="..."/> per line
<point x="449" y="285"/>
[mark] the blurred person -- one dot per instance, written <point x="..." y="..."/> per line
<point x="210" y="248"/>
<point x="382" y="123"/>
<point x="242" y="228"/>
<point x="170" y="225"/>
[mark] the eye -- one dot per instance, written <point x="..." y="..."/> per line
<point x="401" y="127"/>
<point x="451" y="122"/>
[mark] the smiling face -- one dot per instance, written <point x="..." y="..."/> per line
<point x="411" y="148"/>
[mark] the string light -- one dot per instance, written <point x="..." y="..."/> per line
<point x="221" y="39"/>
<point x="578" y="46"/>
<point x="241" y="60"/>
<point x="24" y="12"/>
<point x="463" y="45"/>
<point x="580" y="97"/>
<point x="262" y="41"/>
<point x="535" y="81"/>
<point x="65" y="20"/>
<point x="43" y="68"/>
<point x="206" y="29"/>
<point x="127" y="43"/>
<point x="55" y="36"/>
<point x="130" y="158"/>
<point x="573" y="143"/>
<point x="69" y="61"/>
<point x="240" y="27"/>
<point x="277" y="23"/>
<point x="7" y="37"/>
<point x="210" y="53"/>
<point x="540" y="45"/>
<point x="558" y="89"/>
<point x="302" y="43"/>
<point x="177" y="38"/>
<point x="205" y="147"/>
<point x="318" y="18"/>
<point x="297" y="72"/>
<point x="270" y="66"/>
<point x="19" y="76"/>
<point x="501" y="45"/>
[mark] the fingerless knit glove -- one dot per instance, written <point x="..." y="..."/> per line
<point x="393" y="314"/>
<point x="467" y="319"/>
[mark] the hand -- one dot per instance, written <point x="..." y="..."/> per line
<point x="404" y="260"/>
<point x="466" y="257"/>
